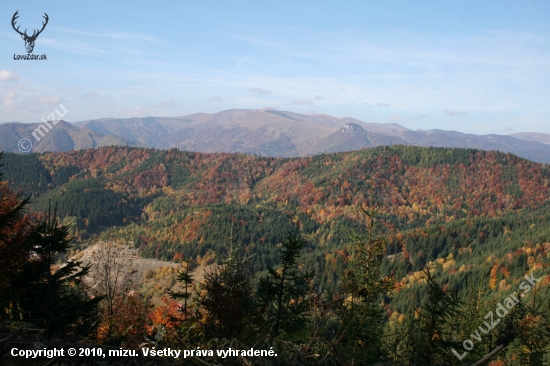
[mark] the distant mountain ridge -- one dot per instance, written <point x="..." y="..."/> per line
<point x="265" y="132"/>
<point x="533" y="136"/>
<point x="63" y="136"/>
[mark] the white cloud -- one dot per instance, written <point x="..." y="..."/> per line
<point x="74" y="46"/>
<point x="12" y="101"/>
<point x="49" y="99"/>
<point x="168" y="104"/>
<point x="11" y="94"/>
<point x="138" y="111"/>
<point x="89" y="95"/>
<point x="6" y="75"/>
<point x="113" y="35"/>
<point x="394" y="117"/>
<point x="215" y="98"/>
<point x="476" y="72"/>
<point x="9" y="99"/>
<point x="452" y="113"/>
<point x="155" y="110"/>
<point x="318" y="97"/>
<point x="260" y="91"/>
<point x="302" y="102"/>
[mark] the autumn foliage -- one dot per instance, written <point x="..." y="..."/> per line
<point x="129" y="323"/>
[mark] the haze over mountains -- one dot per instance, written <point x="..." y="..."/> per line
<point x="263" y="132"/>
<point x="63" y="136"/>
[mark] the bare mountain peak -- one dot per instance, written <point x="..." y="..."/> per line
<point x="350" y="127"/>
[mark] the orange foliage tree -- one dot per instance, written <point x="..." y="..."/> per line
<point x="132" y="314"/>
<point x="164" y="320"/>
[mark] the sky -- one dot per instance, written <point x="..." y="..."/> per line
<point x="470" y="66"/>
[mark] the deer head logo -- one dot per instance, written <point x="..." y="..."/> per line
<point x="29" y="40"/>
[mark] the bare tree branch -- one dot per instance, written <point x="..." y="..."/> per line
<point x="2" y="341"/>
<point x="489" y="355"/>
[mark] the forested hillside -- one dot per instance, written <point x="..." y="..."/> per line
<point x="414" y="186"/>
<point x="165" y="200"/>
<point x="477" y="220"/>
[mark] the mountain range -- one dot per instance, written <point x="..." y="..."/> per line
<point x="63" y="136"/>
<point x="262" y="132"/>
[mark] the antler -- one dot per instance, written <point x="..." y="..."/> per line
<point x="34" y="35"/>
<point x="15" y="16"/>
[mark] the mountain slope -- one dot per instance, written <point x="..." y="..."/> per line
<point x="119" y="186"/>
<point x="149" y="130"/>
<point x="531" y="150"/>
<point x="288" y="134"/>
<point x="61" y="137"/>
<point x="533" y="136"/>
<point x="278" y="133"/>
<point x="463" y="212"/>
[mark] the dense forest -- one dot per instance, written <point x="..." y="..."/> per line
<point x="385" y="256"/>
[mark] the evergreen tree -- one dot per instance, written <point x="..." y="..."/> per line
<point x="282" y="292"/>
<point x="32" y="289"/>
<point x="437" y="323"/>
<point x="14" y="248"/>
<point x="227" y="298"/>
<point x="534" y="331"/>
<point x="55" y="299"/>
<point x="358" y="338"/>
<point x="186" y="281"/>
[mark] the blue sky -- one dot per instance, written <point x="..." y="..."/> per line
<point x="470" y="66"/>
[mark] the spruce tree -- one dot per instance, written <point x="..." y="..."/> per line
<point x="359" y="337"/>
<point x="55" y="299"/>
<point x="283" y="291"/>
<point x="226" y="297"/>
<point x="32" y="290"/>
